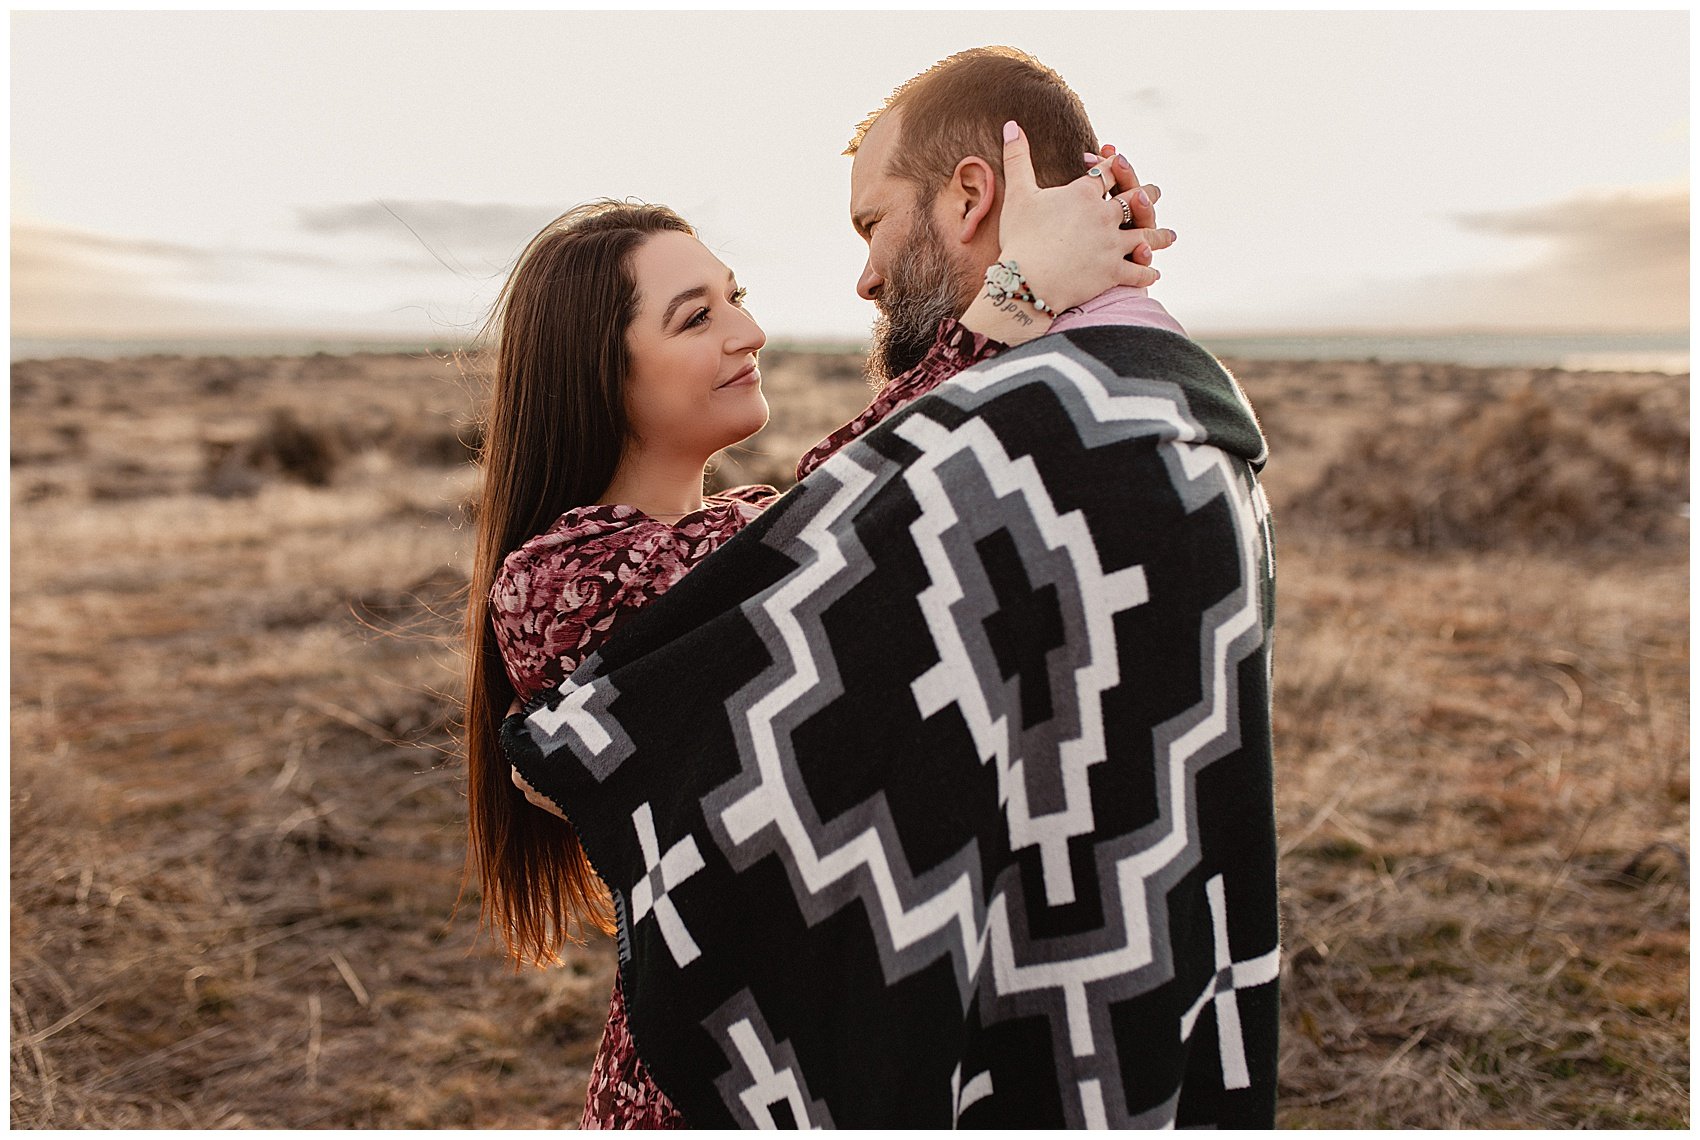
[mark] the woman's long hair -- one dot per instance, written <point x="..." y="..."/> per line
<point x="553" y="435"/>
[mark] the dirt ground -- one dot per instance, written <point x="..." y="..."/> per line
<point x="237" y="824"/>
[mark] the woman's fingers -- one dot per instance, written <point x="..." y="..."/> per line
<point x="1137" y="275"/>
<point x="1098" y="177"/>
<point x="533" y="796"/>
<point x="1153" y="237"/>
<point x="1071" y="239"/>
<point x="1122" y="171"/>
<point x="1018" y="174"/>
<point x="1119" y="174"/>
<point x="1116" y="168"/>
<point x="1116" y="177"/>
<point x="1143" y="204"/>
<point x="1137" y="266"/>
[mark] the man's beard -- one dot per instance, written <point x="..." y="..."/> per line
<point x="921" y="290"/>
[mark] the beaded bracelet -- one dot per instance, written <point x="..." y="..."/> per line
<point x="1004" y="280"/>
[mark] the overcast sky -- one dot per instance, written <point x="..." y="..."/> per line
<point x="375" y="173"/>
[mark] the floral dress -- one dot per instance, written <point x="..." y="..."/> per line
<point x="558" y="596"/>
<point x="553" y="604"/>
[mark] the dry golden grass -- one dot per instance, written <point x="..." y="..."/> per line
<point x="1484" y="825"/>
<point x="1482" y="745"/>
<point x="1541" y="467"/>
<point x="236" y="828"/>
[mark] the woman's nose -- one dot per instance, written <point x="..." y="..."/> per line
<point x="749" y="337"/>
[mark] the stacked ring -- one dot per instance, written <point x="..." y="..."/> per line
<point x="1127" y="213"/>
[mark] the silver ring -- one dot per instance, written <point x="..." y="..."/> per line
<point x="1127" y="213"/>
<point x="1103" y="179"/>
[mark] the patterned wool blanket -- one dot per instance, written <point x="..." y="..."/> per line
<point x="943" y="792"/>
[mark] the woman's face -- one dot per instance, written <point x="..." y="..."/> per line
<point x="693" y="387"/>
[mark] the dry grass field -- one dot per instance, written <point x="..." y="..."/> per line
<point x="237" y="821"/>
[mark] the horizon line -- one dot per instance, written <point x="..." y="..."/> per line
<point x="779" y="341"/>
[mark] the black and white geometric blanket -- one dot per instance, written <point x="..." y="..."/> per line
<point x="942" y="793"/>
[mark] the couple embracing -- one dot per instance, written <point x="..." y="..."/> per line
<point x="936" y="791"/>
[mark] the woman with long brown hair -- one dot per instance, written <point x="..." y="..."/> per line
<point x="625" y="360"/>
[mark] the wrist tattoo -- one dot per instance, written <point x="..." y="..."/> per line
<point x="1015" y="311"/>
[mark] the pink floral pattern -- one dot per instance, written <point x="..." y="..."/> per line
<point x="621" y="1093"/>
<point x="956" y="347"/>
<point x="558" y="596"/>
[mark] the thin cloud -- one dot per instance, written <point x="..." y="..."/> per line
<point x="1607" y="261"/>
<point x="44" y="240"/>
<point x="74" y="282"/>
<point x="474" y="241"/>
<point x="1620" y="229"/>
<point x="77" y="283"/>
<point x="1612" y="260"/>
<point x="480" y="225"/>
<point x="60" y="242"/>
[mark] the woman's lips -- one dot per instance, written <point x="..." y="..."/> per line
<point x="750" y="374"/>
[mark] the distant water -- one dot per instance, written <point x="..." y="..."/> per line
<point x="26" y="348"/>
<point x="1614" y="352"/>
<point x="1597" y="352"/>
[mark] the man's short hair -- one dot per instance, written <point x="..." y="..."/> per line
<point x="958" y="107"/>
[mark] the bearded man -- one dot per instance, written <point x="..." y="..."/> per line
<point x="942" y="794"/>
<point x="924" y="195"/>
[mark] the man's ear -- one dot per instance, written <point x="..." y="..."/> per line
<point x="973" y="198"/>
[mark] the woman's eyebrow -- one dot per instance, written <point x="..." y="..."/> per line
<point x="673" y="305"/>
<point x="689" y="294"/>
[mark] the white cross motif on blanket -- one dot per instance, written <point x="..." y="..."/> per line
<point x="1230" y="977"/>
<point x="772" y="1084"/>
<point x="664" y="873"/>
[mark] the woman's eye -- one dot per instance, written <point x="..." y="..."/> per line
<point x="701" y="315"/>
